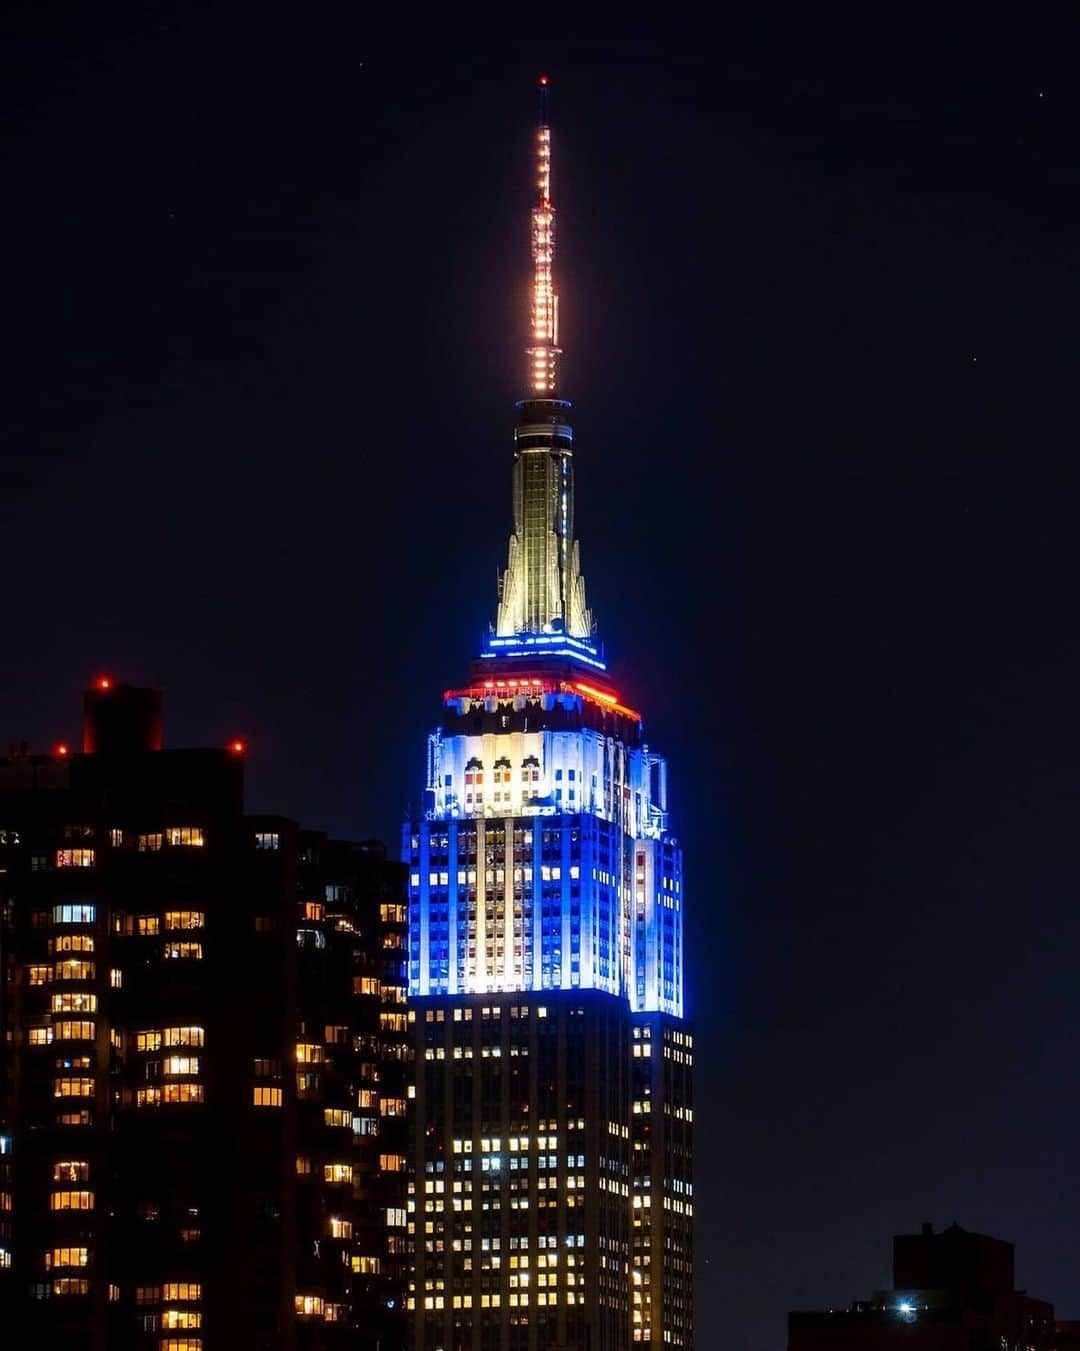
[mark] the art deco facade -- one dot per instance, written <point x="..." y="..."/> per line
<point x="552" y="1200"/>
<point x="205" y="1073"/>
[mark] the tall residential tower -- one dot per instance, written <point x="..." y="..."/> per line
<point x="552" y="1164"/>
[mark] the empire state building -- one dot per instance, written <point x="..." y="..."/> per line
<point x="551" y="1203"/>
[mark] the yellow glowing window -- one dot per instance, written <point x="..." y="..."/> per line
<point x="188" y="837"/>
<point x="147" y="1097"/>
<point x="337" y="1116"/>
<point x="337" y="1172"/>
<point x="116" y="978"/>
<point x="303" y="1165"/>
<point x="39" y="1036"/>
<point x="313" y="910"/>
<point x="149" y="843"/>
<point x="183" y="1036"/>
<point x="180" y="1344"/>
<point x="392" y="1107"/>
<point x="180" y="1064"/>
<point x="392" y="914"/>
<point x="150" y="1040"/>
<point x="365" y="1266"/>
<point x="366" y="1097"/>
<point x="147" y="1294"/>
<point x="392" y="1163"/>
<point x="73" y="1088"/>
<point x="71" y="1285"/>
<point x="183" y="1093"/>
<point x="264" y="1096"/>
<point x="185" y="919"/>
<point x="181" y="1318"/>
<point x="336" y="1034"/>
<point x="340" y="1228"/>
<point x="181" y="1290"/>
<point x="309" y="1053"/>
<point x="147" y="925"/>
<point x="309" y="1306"/>
<point x="72" y="943"/>
<point x="183" y="951"/>
<point x="74" y="969"/>
<point x="71" y="1200"/>
<point x="38" y="975"/>
<point x="74" y="858"/>
<point x="365" y="985"/>
<point x="69" y="1257"/>
<point x="81" y="1118"/>
<point x="71" y="1170"/>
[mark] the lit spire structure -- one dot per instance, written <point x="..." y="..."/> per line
<point x="544" y="352"/>
<point x="542" y="591"/>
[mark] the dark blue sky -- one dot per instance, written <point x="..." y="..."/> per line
<point x="265" y="304"/>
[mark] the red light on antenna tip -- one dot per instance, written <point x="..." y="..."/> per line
<point x="103" y="683"/>
<point x="62" y="749"/>
<point x="237" y="747"/>
<point x="543" y="79"/>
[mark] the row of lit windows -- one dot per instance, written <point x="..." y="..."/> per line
<point x="152" y="1039"/>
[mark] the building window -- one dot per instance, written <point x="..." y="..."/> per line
<point x="148" y="844"/>
<point x="74" y="1001"/>
<point x="71" y="1170"/>
<point x="181" y="1318"/>
<point x="72" y="943"/>
<point x="185" y="919"/>
<point x="74" y="969"/>
<point x="39" y="1036"/>
<point x="340" y="1228"/>
<point x="309" y="1306"/>
<point x="183" y="1093"/>
<point x="265" y="1096"/>
<point x="182" y="1036"/>
<point x="69" y="1257"/>
<point x="74" y="914"/>
<point x="74" y="858"/>
<point x="337" y="1172"/>
<point x="73" y="1088"/>
<point x="186" y="837"/>
<point x="267" y="839"/>
<point x="181" y="1064"/>
<point x="183" y="951"/>
<point x="71" y="1285"/>
<point x="71" y="1200"/>
<point x="181" y="1290"/>
<point x="74" y="1030"/>
<point x="38" y="975"/>
<point x="147" y="926"/>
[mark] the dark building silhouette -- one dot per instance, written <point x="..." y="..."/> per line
<point x="205" y="1056"/>
<point x="952" y="1291"/>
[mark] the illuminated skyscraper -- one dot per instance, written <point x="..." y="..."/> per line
<point x="552" y="1200"/>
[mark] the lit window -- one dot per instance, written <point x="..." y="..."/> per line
<point x="309" y="1053"/>
<point x="303" y="1165"/>
<point x="183" y="951"/>
<point x="188" y="837"/>
<point x="71" y="1170"/>
<point x="38" y="975"/>
<point x="183" y="1093"/>
<point x="365" y="1266"/>
<point x="69" y="1257"/>
<point x="392" y="1163"/>
<point x="340" y="1228"/>
<point x="73" y="1088"/>
<point x="267" y="839"/>
<point x="39" y="1036"/>
<point x="72" y="943"/>
<point x="116" y="978"/>
<point x="74" y="858"/>
<point x="74" y="1001"/>
<point x="181" y="1290"/>
<point x="181" y="1318"/>
<point x="184" y="919"/>
<point x="74" y="969"/>
<point x="183" y="1036"/>
<point x="149" y="843"/>
<point x="71" y="1285"/>
<point x="180" y="1344"/>
<point x="74" y="914"/>
<point x="365" y="985"/>
<point x="71" y="1200"/>
<point x="148" y="1097"/>
<point x="181" y="1064"/>
<point x="149" y="1040"/>
<point x="309" y="1306"/>
<point x="264" y="1096"/>
<point x="337" y="1116"/>
<point x="337" y="1172"/>
<point x="147" y="925"/>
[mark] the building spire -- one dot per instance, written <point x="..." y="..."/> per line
<point x="543" y="351"/>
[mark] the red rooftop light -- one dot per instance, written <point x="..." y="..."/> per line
<point x="62" y="748"/>
<point x="103" y="683"/>
<point x="238" y="747"/>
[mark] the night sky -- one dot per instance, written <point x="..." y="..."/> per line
<point x="265" y="302"/>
